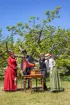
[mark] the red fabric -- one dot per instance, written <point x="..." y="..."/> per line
<point x="27" y="64"/>
<point x="10" y="75"/>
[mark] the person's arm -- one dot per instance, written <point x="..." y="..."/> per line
<point x="30" y="64"/>
<point x="21" y="66"/>
<point x="24" y="65"/>
<point x="9" y="63"/>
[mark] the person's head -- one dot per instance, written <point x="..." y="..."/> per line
<point x="24" y="52"/>
<point x="11" y="53"/>
<point x="47" y="56"/>
<point x="42" y="56"/>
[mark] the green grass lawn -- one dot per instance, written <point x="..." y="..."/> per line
<point x="36" y="98"/>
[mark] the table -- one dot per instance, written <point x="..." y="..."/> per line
<point x="31" y="77"/>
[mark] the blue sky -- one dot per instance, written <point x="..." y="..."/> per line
<point x="13" y="11"/>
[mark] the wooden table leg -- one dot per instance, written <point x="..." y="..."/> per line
<point x="31" y="84"/>
<point x="36" y="83"/>
<point x="25" y="84"/>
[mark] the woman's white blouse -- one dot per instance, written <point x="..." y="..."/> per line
<point x="51" y="64"/>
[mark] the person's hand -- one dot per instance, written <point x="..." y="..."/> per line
<point x="21" y="72"/>
<point x="15" y="79"/>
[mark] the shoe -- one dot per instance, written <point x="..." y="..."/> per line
<point x="28" y="87"/>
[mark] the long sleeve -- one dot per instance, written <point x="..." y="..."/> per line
<point x="27" y="64"/>
<point x="10" y="63"/>
<point x="24" y="64"/>
<point x="31" y="64"/>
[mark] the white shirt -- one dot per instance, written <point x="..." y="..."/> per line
<point x="51" y="64"/>
<point x="47" y="64"/>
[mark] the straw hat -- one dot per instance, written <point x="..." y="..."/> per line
<point x="48" y="55"/>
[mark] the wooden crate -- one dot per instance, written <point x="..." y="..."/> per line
<point x="33" y="72"/>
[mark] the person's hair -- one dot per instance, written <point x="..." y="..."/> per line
<point x="10" y="52"/>
<point x="42" y="54"/>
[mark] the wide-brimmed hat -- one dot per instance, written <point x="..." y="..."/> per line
<point x="48" y="55"/>
<point x="22" y="50"/>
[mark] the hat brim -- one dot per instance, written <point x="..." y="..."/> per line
<point x="48" y="55"/>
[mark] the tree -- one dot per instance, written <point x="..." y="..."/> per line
<point x="39" y="37"/>
<point x="34" y="35"/>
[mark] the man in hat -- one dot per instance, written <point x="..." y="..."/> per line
<point x="27" y="61"/>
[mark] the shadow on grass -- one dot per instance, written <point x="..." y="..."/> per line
<point x="34" y="89"/>
<point x="38" y="89"/>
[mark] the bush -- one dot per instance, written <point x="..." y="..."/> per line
<point x="65" y="78"/>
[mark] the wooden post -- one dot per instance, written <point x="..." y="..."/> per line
<point x="36" y="83"/>
<point x="25" y="84"/>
